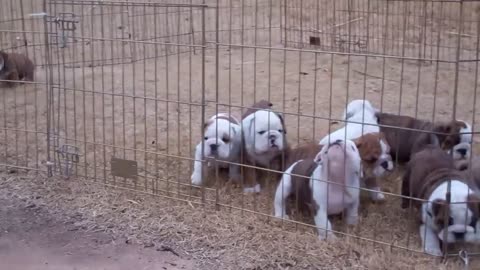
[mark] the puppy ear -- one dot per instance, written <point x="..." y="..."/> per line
<point x="206" y="124"/>
<point x="439" y="208"/>
<point x="283" y="122"/>
<point x="318" y="158"/>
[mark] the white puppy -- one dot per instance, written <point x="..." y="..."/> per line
<point x="333" y="188"/>
<point x="358" y="111"/>
<point x="264" y="142"/>
<point x="222" y="142"/>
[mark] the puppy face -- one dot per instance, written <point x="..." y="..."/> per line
<point x="375" y="154"/>
<point x="456" y="221"/>
<point x="219" y="137"/>
<point x="453" y="133"/>
<point x="264" y="132"/>
<point x="357" y="106"/>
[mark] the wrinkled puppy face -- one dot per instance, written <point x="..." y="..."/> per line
<point x="219" y="136"/>
<point x="265" y="131"/>
<point x="357" y="106"/>
<point x="375" y="154"/>
<point x="457" y="221"/>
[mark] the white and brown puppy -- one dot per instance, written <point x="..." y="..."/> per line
<point x="222" y="142"/>
<point x="333" y="187"/>
<point x="374" y="153"/>
<point x="407" y="135"/>
<point x="264" y="144"/>
<point x="361" y="119"/>
<point x="450" y="210"/>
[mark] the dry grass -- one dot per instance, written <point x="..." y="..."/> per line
<point x="213" y="238"/>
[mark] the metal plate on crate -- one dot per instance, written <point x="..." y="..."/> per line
<point x="124" y="168"/>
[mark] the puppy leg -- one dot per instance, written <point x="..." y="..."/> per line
<point x="351" y="213"/>
<point x="284" y="189"/>
<point x="372" y="183"/>
<point x="251" y="181"/>
<point x="430" y="241"/>
<point x="324" y="227"/>
<point x="234" y="173"/>
<point x="13" y="76"/>
<point x="197" y="166"/>
<point x="406" y="188"/>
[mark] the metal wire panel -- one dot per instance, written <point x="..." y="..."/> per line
<point x="123" y="88"/>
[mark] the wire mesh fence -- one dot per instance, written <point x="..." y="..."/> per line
<point x="123" y="89"/>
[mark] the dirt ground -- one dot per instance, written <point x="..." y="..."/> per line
<point x="33" y="239"/>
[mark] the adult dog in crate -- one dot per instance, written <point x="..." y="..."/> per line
<point x="15" y="67"/>
<point x="450" y="210"/>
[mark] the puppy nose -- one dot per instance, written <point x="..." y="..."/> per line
<point x="384" y="165"/>
<point x="462" y="151"/>
<point x="459" y="235"/>
<point x="272" y="137"/>
<point x="213" y="147"/>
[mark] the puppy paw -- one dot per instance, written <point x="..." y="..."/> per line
<point x="255" y="189"/>
<point x="327" y="236"/>
<point x="351" y="220"/>
<point x="280" y="216"/>
<point x="433" y="251"/>
<point x="377" y="196"/>
<point x="196" y="179"/>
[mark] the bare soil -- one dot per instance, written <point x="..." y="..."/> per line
<point x="33" y="239"/>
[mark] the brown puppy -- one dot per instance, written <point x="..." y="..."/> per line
<point x="15" y="67"/>
<point x="449" y="210"/>
<point x="405" y="142"/>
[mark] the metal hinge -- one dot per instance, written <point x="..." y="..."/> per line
<point x="66" y="22"/>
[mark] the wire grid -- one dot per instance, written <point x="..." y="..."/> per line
<point x="136" y="80"/>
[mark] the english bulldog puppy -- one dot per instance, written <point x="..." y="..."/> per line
<point x="374" y="153"/>
<point x="332" y="188"/>
<point x="264" y="144"/>
<point x="222" y="142"/>
<point x="407" y="135"/>
<point x="449" y="209"/>
<point x="357" y="112"/>
<point x="15" y="67"/>
<point x="376" y="161"/>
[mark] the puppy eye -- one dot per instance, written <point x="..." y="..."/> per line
<point x="226" y="140"/>
<point x="281" y="130"/>
<point x="261" y="132"/>
<point x="352" y="148"/>
<point x="206" y="138"/>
